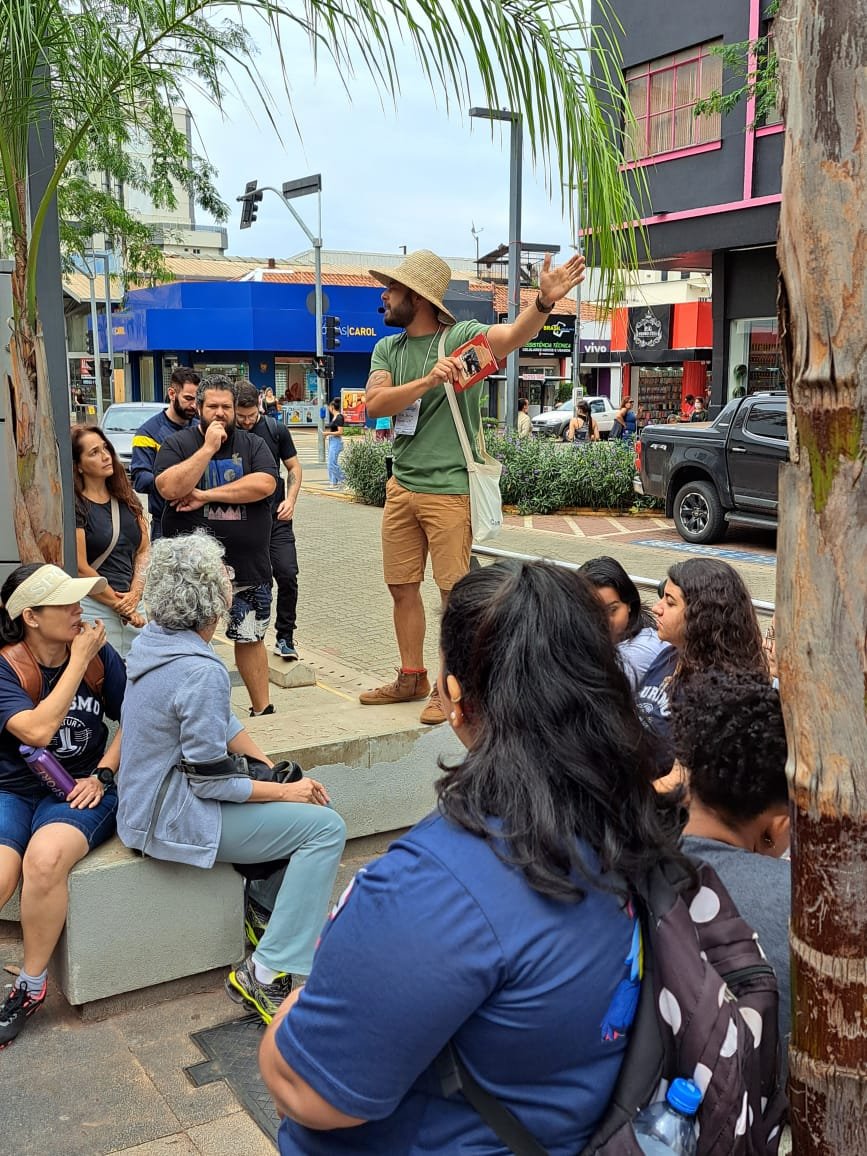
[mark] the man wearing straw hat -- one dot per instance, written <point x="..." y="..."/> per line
<point x="427" y="507"/>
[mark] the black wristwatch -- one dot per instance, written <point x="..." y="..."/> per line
<point x="105" y="776"/>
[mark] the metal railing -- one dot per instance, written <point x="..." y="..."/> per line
<point x="760" y="607"/>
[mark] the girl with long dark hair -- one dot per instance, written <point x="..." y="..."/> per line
<point x="502" y="922"/>
<point x="633" y="627"/>
<point x="706" y="617"/>
<point x="111" y="536"/>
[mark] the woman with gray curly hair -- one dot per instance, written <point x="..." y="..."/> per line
<point x="185" y="799"/>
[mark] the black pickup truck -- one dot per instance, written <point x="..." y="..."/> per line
<point x="720" y="472"/>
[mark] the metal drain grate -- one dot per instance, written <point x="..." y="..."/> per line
<point x="232" y="1050"/>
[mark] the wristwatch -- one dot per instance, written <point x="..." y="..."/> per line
<point x="543" y="308"/>
<point x="105" y="776"/>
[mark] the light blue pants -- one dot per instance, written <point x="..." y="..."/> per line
<point x="117" y="632"/>
<point x="314" y="837"/>
<point x="335" y="473"/>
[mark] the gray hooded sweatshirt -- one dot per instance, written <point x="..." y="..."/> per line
<point x="176" y="704"/>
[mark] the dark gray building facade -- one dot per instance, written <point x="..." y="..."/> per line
<point x="712" y="182"/>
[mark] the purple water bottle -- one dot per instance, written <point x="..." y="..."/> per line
<point x="46" y="767"/>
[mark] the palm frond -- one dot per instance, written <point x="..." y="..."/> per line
<point x="117" y="67"/>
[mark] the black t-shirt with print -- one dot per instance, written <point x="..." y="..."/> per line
<point x="244" y="528"/>
<point x="95" y="519"/>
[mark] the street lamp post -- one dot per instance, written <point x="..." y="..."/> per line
<point x="103" y="255"/>
<point x="514" y="287"/>
<point x="290" y="190"/>
<point x="579" y="247"/>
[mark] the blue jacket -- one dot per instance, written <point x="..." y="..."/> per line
<point x="145" y="447"/>
<point x="177" y="703"/>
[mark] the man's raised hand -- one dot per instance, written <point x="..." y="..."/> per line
<point x="556" y="283"/>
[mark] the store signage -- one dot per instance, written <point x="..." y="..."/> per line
<point x="594" y="351"/>
<point x="649" y="332"/>
<point x="554" y="339"/>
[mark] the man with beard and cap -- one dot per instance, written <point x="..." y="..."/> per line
<point x="427" y="507"/>
<point x="221" y="478"/>
<point x="149" y="437"/>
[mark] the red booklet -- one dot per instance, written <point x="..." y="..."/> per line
<point x="478" y="361"/>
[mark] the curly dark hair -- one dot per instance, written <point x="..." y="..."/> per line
<point x="559" y="753"/>
<point x="607" y="571"/>
<point x="721" y="628"/>
<point x="118" y="484"/>
<point x="728" y="732"/>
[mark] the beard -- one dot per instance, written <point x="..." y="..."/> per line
<point x="228" y="426"/>
<point x="402" y="314"/>
<point x="180" y="414"/>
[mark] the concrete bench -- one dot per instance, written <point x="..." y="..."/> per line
<point x="134" y="922"/>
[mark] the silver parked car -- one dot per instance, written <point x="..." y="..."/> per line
<point x="554" y="422"/>
<point x="121" y="420"/>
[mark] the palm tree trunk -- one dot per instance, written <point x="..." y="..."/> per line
<point x="822" y="569"/>
<point x="31" y="451"/>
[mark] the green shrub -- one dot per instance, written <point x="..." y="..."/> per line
<point x="541" y="475"/>
<point x="363" y="463"/>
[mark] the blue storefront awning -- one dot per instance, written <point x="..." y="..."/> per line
<point x="232" y="315"/>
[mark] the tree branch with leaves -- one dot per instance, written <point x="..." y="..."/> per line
<point x="106" y="69"/>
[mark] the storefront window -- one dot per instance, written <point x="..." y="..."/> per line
<point x="754" y="356"/>
<point x="660" y="389"/>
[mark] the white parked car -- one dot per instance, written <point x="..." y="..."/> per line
<point x="554" y="422"/>
<point x="121" y="420"/>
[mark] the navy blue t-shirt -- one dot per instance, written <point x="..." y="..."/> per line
<point x="439" y="939"/>
<point x="81" y="738"/>
<point x="653" y="705"/>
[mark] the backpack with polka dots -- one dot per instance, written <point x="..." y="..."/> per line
<point x="706" y="1009"/>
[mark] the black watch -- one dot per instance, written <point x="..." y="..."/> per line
<point x="105" y="776"/>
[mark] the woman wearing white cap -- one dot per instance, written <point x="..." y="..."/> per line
<point x="58" y="680"/>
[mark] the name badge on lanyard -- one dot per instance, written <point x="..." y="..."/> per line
<point x="406" y="422"/>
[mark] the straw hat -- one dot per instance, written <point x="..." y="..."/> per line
<point x="51" y="586"/>
<point x="426" y="274"/>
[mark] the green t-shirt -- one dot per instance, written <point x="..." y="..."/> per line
<point x="431" y="461"/>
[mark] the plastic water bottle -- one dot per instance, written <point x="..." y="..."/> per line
<point x="46" y="767"/>
<point x="666" y="1128"/>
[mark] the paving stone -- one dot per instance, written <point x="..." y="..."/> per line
<point x="231" y="1136"/>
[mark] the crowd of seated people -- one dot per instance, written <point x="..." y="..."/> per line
<point x="501" y="916"/>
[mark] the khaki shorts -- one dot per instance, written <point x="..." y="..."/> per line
<point x="415" y="525"/>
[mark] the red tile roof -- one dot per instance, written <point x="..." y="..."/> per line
<point x="589" y="312"/>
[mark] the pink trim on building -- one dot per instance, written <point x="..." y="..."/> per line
<point x="750" y="135"/>
<point x="712" y="210"/>
<point x="676" y="154"/>
<point x="771" y="129"/>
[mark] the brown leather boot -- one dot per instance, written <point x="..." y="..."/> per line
<point x="433" y="714"/>
<point x="405" y="688"/>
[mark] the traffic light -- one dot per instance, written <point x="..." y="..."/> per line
<point x="332" y="332"/>
<point x="90" y="341"/>
<point x="250" y="199"/>
<point x="324" y="367"/>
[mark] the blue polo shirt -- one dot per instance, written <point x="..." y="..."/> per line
<point x="439" y="939"/>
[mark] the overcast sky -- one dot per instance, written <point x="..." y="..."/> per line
<point x="409" y="174"/>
